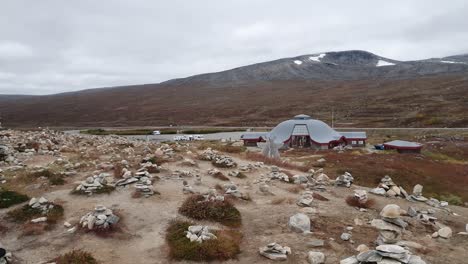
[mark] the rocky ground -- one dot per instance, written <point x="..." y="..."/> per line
<point x="139" y="186"/>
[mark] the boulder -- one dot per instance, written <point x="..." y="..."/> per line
<point x="299" y="223"/>
<point x="445" y="232"/>
<point x="314" y="257"/>
<point x="391" y="211"/>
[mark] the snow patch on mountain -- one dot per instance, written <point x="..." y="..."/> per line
<point x="318" y="57"/>
<point x="381" y="63"/>
<point x="298" y="62"/>
<point x="456" y="62"/>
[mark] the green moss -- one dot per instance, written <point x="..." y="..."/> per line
<point x="26" y="213"/>
<point x="9" y="198"/>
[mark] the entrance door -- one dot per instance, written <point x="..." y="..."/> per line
<point x="300" y="141"/>
<point x="300" y="137"/>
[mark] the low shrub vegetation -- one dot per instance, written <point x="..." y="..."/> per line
<point x="450" y="198"/>
<point x="9" y="198"/>
<point x="76" y="257"/>
<point x="26" y="213"/>
<point x="107" y="189"/>
<point x="53" y="177"/>
<point x="225" y="247"/>
<point x="223" y="212"/>
<point x="355" y="202"/>
<point x="282" y="200"/>
<point x="295" y="189"/>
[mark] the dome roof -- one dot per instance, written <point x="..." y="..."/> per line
<point x="318" y="131"/>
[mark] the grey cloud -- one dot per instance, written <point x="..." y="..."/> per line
<point x="55" y="46"/>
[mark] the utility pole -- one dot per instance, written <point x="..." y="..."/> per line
<point x="333" y="117"/>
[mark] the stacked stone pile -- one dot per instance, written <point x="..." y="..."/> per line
<point x="306" y="199"/>
<point x="224" y="162"/>
<point x="41" y="203"/>
<point x="390" y="248"/>
<point x="344" y="180"/>
<point x="275" y="251"/>
<point x="388" y="188"/>
<point x="276" y="174"/>
<point x="199" y="233"/>
<point x="217" y="159"/>
<point x="187" y="189"/>
<point x="212" y="196"/>
<point x="100" y="218"/>
<point x="390" y="225"/>
<point x="93" y="183"/>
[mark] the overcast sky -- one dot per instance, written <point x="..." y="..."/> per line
<point x="52" y="46"/>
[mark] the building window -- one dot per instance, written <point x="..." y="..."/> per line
<point x="353" y="142"/>
<point x="361" y="142"/>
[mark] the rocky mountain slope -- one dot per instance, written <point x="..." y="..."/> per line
<point x="364" y="89"/>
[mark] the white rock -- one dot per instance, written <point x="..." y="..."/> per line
<point x="299" y="223"/>
<point x="315" y="257"/>
<point x="445" y="232"/>
<point x="39" y="220"/>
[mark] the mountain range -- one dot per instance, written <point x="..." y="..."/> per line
<point x="361" y="88"/>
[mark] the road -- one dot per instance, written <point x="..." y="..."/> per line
<point x="170" y="137"/>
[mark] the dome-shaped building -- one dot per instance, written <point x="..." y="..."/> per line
<point x="304" y="132"/>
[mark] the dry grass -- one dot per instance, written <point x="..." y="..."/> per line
<point x="32" y="229"/>
<point x="295" y="189"/>
<point x="76" y="257"/>
<point x="225" y="247"/>
<point x="220" y="176"/>
<point x="223" y="212"/>
<point x="355" y="202"/>
<point x="319" y="197"/>
<point x="277" y="162"/>
<point x="282" y="200"/>
<point x="118" y="170"/>
<point x="219" y="188"/>
<point x="53" y="177"/>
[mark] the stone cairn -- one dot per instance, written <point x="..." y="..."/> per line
<point x="388" y="188"/>
<point x="101" y="218"/>
<point x="232" y="189"/>
<point x="180" y="174"/>
<point x="142" y="179"/>
<point x="212" y="196"/>
<point x="417" y="194"/>
<point x="390" y="228"/>
<point x="43" y="205"/>
<point x="187" y="189"/>
<point x="275" y="251"/>
<point x="361" y="196"/>
<point x="276" y="174"/>
<point x="390" y="225"/>
<point x="306" y="199"/>
<point x="344" y="180"/>
<point x="418" y="197"/>
<point x="93" y="183"/>
<point x="317" y="180"/>
<point x="199" y="233"/>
